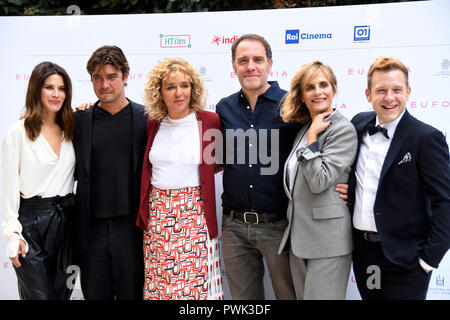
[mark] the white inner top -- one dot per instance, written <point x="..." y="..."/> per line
<point x="175" y="154"/>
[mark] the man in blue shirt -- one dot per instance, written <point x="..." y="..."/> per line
<point x="254" y="204"/>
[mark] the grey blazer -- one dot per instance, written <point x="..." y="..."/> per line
<point x="319" y="221"/>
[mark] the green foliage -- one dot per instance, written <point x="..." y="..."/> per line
<point x="34" y="7"/>
<point x="59" y="7"/>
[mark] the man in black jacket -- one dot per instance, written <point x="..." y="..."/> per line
<point x="109" y="145"/>
<point x="399" y="191"/>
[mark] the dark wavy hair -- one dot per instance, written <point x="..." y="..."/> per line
<point x="112" y="55"/>
<point x="33" y="105"/>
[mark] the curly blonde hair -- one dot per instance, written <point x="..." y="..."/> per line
<point x="294" y="109"/>
<point x="154" y="104"/>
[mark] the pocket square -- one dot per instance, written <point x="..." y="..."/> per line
<point x="406" y="158"/>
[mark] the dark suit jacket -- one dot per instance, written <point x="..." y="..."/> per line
<point x="207" y="120"/>
<point x="83" y="146"/>
<point x="412" y="205"/>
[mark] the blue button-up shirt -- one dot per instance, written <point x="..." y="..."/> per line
<point x="253" y="174"/>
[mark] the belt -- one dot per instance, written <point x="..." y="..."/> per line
<point x="369" y="236"/>
<point x="48" y="203"/>
<point x="250" y="217"/>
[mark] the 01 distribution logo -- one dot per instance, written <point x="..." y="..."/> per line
<point x="361" y="34"/>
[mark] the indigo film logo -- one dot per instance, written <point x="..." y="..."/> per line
<point x="292" y="36"/>
<point x="361" y="33"/>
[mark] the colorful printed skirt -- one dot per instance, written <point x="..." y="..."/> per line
<point x="181" y="261"/>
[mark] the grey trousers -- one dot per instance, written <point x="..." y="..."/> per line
<point x="320" y="279"/>
<point x="244" y="247"/>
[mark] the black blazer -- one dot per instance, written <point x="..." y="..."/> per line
<point x="412" y="205"/>
<point x="83" y="145"/>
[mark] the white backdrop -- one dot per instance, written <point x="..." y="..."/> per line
<point x="349" y="39"/>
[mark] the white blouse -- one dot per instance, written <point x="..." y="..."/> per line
<point x="175" y="154"/>
<point x="31" y="168"/>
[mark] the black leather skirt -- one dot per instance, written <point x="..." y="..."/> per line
<point x="47" y="227"/>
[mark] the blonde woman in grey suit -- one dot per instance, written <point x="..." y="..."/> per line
<point x="319" y="235"/>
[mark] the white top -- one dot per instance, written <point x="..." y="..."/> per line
<point x="175" y="154"/>
<point x="371" y="157"/>
<point x="368" y="169"/>
<point x="31" y="168"/>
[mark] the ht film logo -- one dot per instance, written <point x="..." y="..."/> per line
<point x="175" y="40"/>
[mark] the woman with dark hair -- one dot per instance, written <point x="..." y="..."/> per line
<point x="38" y="163"/>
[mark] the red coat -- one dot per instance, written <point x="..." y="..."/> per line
<point x="208" y="120"/>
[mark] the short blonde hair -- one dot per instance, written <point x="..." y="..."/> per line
<point x="386" y="64"/>
<point x="154" y="104"/>
<point x="293" y="108"/>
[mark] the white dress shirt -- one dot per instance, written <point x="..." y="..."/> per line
<point x="373" y="151"/>
<point x="31" y="168"/>
<point x="175" y="154"/>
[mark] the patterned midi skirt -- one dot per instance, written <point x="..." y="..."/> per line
<point x="181" y="261"/>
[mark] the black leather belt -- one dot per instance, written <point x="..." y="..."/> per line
<point x="250" y="217"/>
<point x="48" y="203"/>
<point x="369" y="236"/>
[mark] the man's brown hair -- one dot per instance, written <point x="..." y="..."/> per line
<point x="112" y="55"/>
<point x="386" y="64"/>
<point x="251" y="36"/>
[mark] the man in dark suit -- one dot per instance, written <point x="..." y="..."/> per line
<point x="399" y="191"/>
<point x="109" y="145"/>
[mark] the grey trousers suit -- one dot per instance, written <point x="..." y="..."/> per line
<point x="319" y="234"/>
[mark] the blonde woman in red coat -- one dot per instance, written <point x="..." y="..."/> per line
<point x="177" y="208"/>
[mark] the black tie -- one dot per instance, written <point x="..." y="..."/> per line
<point x="372" y="130"/>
